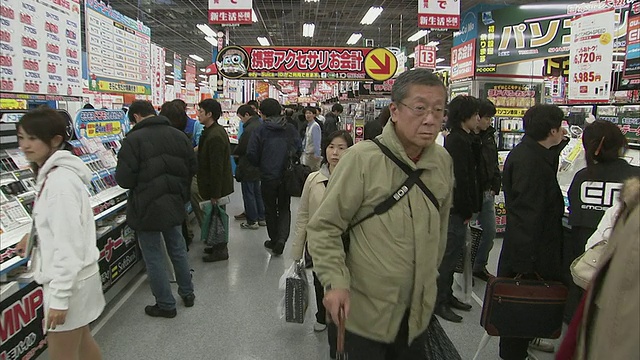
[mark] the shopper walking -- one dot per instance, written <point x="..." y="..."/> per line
<point x="310" y="200"/>
<point x="269" y="149"/>
<point x="247" y="174"/>
<point x="374" y="127"/>
<point x="215" y="178"/>
<point x="533" y="237"/>
<point x="311" y="143"/>
<point x="156" y="162"/>
<point x="386" y="282"/>
<point x="490" y="183"/>
<point x="463" y="117"/>
<point x="332" y="119"/>
<point x="64" y="237"/>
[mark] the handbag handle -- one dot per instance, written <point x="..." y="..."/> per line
<point x="341" y="332"/>
<point x="519" y="276"/>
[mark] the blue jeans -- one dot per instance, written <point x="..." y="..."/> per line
<point x="154" y="259"/>
<point x="253" y="203"/>
<point x="487" y="220"/>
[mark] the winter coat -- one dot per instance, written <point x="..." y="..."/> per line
<point x="215" y="178"/>
<point x="467" y="197"/>
<point x="270" y="145"/>
<point x="330" y="124"/>
<point x="156" y="162"/>
<point x="245" y="171"/>
<point x="310" y="201"/>
<point x="610" y="327"/>
<point x="491" y="178"/>
<point x="372" y="129"/>
<point x="393" y="259"/>
<point x="66" y="251"/>
<point x="535" y="206"/>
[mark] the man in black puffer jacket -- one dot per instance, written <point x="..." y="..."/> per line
<point x="156" y="162"/>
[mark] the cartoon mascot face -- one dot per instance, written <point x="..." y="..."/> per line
<point x="233" y="63"/>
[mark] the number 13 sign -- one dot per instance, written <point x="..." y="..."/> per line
<point x="425" y="57"/>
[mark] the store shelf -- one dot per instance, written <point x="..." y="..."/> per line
<point x="12" y="237"/>
<point x="106" y="195"/>
<point x="12" y="264"/>
<point x="110" y="211"/>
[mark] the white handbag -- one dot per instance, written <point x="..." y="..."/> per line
<point x="584" y="267"/>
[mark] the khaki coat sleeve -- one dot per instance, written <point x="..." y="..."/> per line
<point x="300" y="239"/>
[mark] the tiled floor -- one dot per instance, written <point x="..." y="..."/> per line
<point x="235" y="317"/>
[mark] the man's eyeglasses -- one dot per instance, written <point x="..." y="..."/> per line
<point x="423" y="110"/>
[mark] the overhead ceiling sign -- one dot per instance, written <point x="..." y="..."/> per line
<point x="306" y="63"/>
<point x="425" y="57"/>
<point x="463" y="60"/>
<point x="439" y="14"/>
<point x="230" y="11"/>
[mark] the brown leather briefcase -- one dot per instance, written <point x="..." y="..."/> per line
<point x="516" y="307"/>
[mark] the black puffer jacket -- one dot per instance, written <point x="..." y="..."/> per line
<point x="156" y="162"/>
<point x="467" y="197"/>
<point x="245" y="171"/>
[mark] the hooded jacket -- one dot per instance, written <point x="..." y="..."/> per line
<point x="270" y="145"/>
<point x="156" y="162"/>
<point x="66" y="251"/>
<point x="393" y="258"/>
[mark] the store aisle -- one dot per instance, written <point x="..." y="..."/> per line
<point x="234" y="317"/>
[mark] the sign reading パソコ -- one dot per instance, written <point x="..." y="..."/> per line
<point x="306" y="63"/>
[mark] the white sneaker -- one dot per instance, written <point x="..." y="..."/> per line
<point x="542" y="345"/>
<point x="319" y="327"/>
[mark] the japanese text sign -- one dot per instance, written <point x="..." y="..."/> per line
<point x="439" y="14"/>
<point x="230" y="11"/>
<point x="463" y="59"/>
<point x="591" y="54"/>
<point x="425" y="57"/>
<point x="632" y="59"/>
<point x="22" y="334"/>
<point x="306" y="63"/>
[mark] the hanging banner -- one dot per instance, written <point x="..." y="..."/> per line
<point x="463" y="59"/>
<point x="306" y="63"/>
<point x="40" y="47"/>
<point x="425" y="57"/>
<point x="118" y="51"/>
<point x="157" y="73"/>
<point x="23" y="321"/>
<point x="631" y="69"/>
<point x="527" y="32"/>
<point x="591" y="55"/>
<point x="190" y="81"/>
<point x="439" y="14"/>
<point x="230" y="12"/>
<point x="91" y="123"/>
<point x="177" y="75"/>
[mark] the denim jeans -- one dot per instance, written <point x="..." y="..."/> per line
<point x="456" y="237"/>
<point x="487" y="220"/>
<point x="253" y="203"/>
<point x="154" y="259"/>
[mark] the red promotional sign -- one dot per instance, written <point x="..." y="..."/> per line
<point x="305" y="63"/>
<point x="230" y="12"/>
<point x="425" y="57"/>
<point x="463" y="60"/>
<point x="439" y="14"/>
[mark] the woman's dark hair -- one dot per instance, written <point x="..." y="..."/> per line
<point x="175" y="113"/>
<point x="45" y="124"/>
<point x="461" y="108"/>
<point x="311" y="109"/>
<point x="341" y="134"/>
<point x="603" y="142"/>
<point x="385" y="115"/>
<point x="540" y="119"/>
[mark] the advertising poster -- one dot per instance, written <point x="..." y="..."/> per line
<point x="631" y="67"/>
<point x="522" y="33"/>
<point x="157" y="74"/>
<point x="21" y="334"/>
<point x="177" y="74"/>
<point x="425" y="57"/>
<point x="190" y="80"/>
<point x="463" y="58"/>
<point x="230" y="12"/>
<point x="628" y="121"/>
<point x="118" y="51"/>
<point x="439" y="14"/>
<point x="262" y="90"/>
<point x="510" y="96"/>
<point x="118" y="253"/>
<point x="306" y="63"/>
<point x="40" y="47"/>
<point x="591" y="54"/>
<point x="91" y="123"/>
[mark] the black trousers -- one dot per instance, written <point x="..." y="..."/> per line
<point x="277" y="209"/>
<point x="321" y="315"/>
<point x="456" y="237"/>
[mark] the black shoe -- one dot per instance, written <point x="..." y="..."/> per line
<point x="457" y="304"/>
<point x="269" y="244"/>
<point x="155" y="311"/>
<point x="483" y="275"/>
<point x="189" y="300"/>
<point x="208" y="250"/>
<point x="446" y="313"/>
<point x="242" y="216"/>
<point x="278" y="249"/>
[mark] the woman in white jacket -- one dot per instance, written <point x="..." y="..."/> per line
<point x="312" y="193"/>
<point x="65" y="256"/>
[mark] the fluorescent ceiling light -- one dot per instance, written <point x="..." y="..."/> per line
<point x="413" y="55"/>
<point x="618" y="54"/>
<point x="439" y="60"/>
<point x="433" y="43"/>
<point x="167" y="64"/>
<point x="254" y="16"/>
<point x="311" y="0"/>
<point x="211" y="40"/>
<point x="371" y="15"/>
<point x="308" y="30"/>
<point x="169" y="76"/>
<point x="263" y="41"/>
<point x="205" y="76"/>
<point x="206" y="30"/>
<point x="417" y="36"/>
<point x="355" y="37"/>
<point x="196" y="57"/>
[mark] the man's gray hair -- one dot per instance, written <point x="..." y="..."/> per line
<point x="400" y="88"/>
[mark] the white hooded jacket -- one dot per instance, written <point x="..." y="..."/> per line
<point x="66" y="251"/>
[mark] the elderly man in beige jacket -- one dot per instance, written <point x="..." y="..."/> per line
<point x="386" y="282"/>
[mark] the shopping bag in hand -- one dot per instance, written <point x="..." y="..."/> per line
<point x="296" y="293"/>
<point x="434" y="344"/>
<point x="215" y="225"/>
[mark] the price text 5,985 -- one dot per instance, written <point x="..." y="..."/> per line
<point x="586" y="76"/>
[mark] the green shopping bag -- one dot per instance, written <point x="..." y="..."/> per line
<point x="215" y="225"/>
